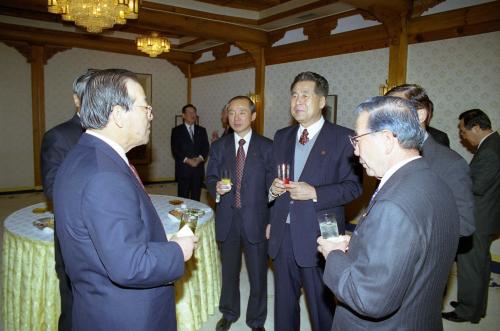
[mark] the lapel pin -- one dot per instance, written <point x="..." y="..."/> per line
<point x="323" y="152"/>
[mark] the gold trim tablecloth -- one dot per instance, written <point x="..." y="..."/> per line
<point x="31" y="289"/>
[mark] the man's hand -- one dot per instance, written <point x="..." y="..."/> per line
<point x="326" y="246"/>
<point x="268" y="231"/>
<point x="222" y="188"/>
<point x="301" y="191"/>
<point x="187" y="244"/>
<point x="193" y="162"/>
<point x="277" y="187"/>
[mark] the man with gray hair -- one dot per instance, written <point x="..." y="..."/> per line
<point x="56" y="143"/>
<point x="392" y="272"/>
<point x="119" y="261"/>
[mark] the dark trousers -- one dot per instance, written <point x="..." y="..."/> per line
<point x="473" y="276"/>
<point x="65" y="290"/>
<point x="190" y="187"/>
<point x="256" y="263"/>
<point x="289" y="278"/>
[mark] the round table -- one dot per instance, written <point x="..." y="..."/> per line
<point x="31" y="289"/>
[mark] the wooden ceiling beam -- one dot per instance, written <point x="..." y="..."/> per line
<point x="36" y="36"/>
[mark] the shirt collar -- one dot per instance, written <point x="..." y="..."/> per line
<point x="395" y="168"/>
<point x="247" y="138"/>
<point x="312" y="130"/>
<point x="114" y="145"/>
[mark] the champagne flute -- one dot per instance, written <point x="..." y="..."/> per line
<point x="226" y="181"/>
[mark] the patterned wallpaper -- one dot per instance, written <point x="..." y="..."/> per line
<point x="16" y="138"/>
<point x="353" y="77"/>
<point x="459" y="74"/>
<point x="211" y="93"/>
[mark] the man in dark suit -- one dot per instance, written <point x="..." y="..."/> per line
<point x="56" y="144"/>
<point x="189" y="143"/>
<point x="473" y="265"/>
<point x="121" y="265"/>
<point x="438" y="135"/>
<point x="445" y="162"/>
<point x="392" y="273"/>
<point x="323" y="180"/>
<point x="242" y="213"/>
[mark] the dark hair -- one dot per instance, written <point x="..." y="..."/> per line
<point x="80" y="83"/>
<point x="396" y="115"/>
<point x="320" y="82"/>
<point x="188" y="106"/>
<point x="415" y="93"/>
<point x="473" y="117"/>
<point x="105" y="89"/>
<point x="251" y="104"/>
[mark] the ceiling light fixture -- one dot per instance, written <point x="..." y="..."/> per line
<point x="153" y="44"/>
<point x="95" y="15"/>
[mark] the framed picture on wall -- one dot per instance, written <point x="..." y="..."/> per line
<point x="330" y="110"/>
<point x="141" y="155"/>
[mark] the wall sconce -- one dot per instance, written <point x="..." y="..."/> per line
<point x="254" y="97"/>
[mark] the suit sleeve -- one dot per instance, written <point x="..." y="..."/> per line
<point x="461" y="187"/>
<point x="348" y="186"/>
<point x="373" y="283"/>
<point x="111" y="210"/>
<point x="53" y="152"/>
<point x="175" y="145"/>
<point x="484" y="168"/>
<point x="214" y="164"/>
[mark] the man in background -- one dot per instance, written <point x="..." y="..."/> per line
<point x="445" y="162"/>
<point x="242" y="214"/>
<point x="56" y="144"/>
<point x="121" y="265"/>
<point x="322" y="180"/>
<point x="189" y="143"/>
<point x="226" y="128"/>
<point x="392" y="273"/>
<point x="438" y="135"/>
<point x="473" y="265"/>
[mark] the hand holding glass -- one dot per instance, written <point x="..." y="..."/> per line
<point x="328" y="227"/>
<point x="226" y="182"/>
<point x="284" y="172"/>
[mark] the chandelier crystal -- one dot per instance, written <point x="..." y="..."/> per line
<point x="95" y="15"/>
<point x="153" y="44"/>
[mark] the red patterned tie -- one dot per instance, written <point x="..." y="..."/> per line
<point x="304" y="137"/>
<point x="136" y="174"/>
<point x="240" y="164"/>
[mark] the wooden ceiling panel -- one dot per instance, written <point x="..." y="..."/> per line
<point x="257" y="5"/>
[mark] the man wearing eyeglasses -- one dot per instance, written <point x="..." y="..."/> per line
<point x="119" y="261"/>
<point x="391" y="274"/>
<point x="322" y="180"/>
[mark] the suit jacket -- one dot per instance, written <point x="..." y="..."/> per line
<point x="394" y="273"/>
<point x="56" y="144"/>
<point x="117" y="256"/>
<point x="439" y="136"/>
<point x="454" y="171"/>
<point x="485" y="172"/>
<point x="331" y="169"/>
<point x="258" y="175"/>
<point x="182" y="147"/>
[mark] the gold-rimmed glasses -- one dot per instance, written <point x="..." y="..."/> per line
<point x="354" y="139"/>
<point x="148" y="109"/>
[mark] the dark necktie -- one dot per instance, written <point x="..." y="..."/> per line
<point x="136" y="174"/>
<point x="304" y="137"/>
<point x="240" y="164"/>
<point x="191" y="132"/>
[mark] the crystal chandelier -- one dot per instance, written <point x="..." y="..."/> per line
<point x="95" y="15"/>
<point x="154" y="44"/>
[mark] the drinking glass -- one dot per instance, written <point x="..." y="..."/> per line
<point x="328" y="226"/>
<point x="284" y="172"/>
<point x="189" y="219"/>
<point x="226" y="181"/>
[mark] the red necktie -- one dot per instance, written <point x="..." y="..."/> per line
<point x="136" y="174"/>
<point x="240" y="164"/>
<point x="304" y="137"/>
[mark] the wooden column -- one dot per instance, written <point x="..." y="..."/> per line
<point x="38" y="107"/>
<point x="398" y="56"/>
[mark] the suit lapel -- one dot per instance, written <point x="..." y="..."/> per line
<point x="230" y="157"/>
<point x="290" y="148"/>
<point x="250" y="157"/>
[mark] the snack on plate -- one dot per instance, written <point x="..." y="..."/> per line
<point x="176" y="202"/>
<point x="40" y="210"/>
<point x="46" y="222"/>
<point x="176" y="213"/>
<point x="196" y="212"/>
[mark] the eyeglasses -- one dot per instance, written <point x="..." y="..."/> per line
<point x="148" y="108"/>
<point x="354" y="139"/>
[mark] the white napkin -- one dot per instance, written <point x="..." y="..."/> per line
<point x="185" y="232"/>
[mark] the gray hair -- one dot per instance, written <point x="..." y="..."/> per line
<point x="105" y="89"/>
<point x="396" y="115"/>
<point x="80" y="83"/>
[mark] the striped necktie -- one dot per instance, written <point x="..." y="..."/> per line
<point x="240" y="165"/>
